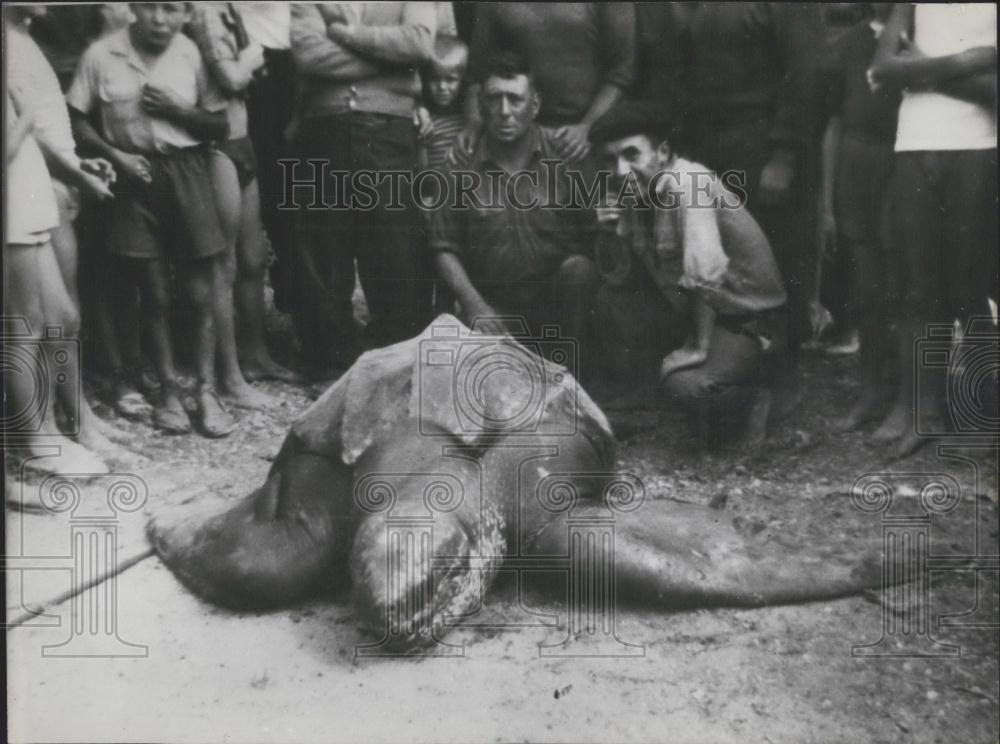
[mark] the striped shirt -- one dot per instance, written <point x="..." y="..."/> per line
<point x="435" y="148"/>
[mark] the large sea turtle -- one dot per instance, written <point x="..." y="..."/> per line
<point x="432" y="462"/>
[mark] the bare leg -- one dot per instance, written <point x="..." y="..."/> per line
<point x="202" y="280"/>
<point x="873" y="328"/>
<point x="232" y="384"/>
<point x="31" y="390"/>
<point x="169" y="413"/>
<point x="61" y="313"/>
<point x="251" y="259"/>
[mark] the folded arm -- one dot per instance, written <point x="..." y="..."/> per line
<point x="899" y="63"/>
<point x="411" y="41"/>
<point x="317" y="55"/>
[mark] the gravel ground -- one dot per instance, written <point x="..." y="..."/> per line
<point x="774" y="674"/>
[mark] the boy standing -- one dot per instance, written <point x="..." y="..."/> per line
<point x="149" y="88"/>
<point x="857" y="168"/>
<point x="233" y="62"/>
<point x="441" y="118"/>
<point x="944" y="188"/>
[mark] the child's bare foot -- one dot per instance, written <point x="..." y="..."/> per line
<point x="170" y="415"/>
<point x="244" y="396"/>
<point x="129" y="402"/>
<point x="268" y="369"/>
<point x="863" y="411"/>
<point x="215" y="421"/>
<point x="894" y="426"/>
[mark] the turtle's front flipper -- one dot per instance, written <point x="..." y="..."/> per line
<point x="672" y="554"/>
<point x="287" y="539"/>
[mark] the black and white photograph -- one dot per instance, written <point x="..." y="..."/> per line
<point x="419" y="372"/>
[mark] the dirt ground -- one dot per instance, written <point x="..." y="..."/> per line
<point x="779" y="674"/>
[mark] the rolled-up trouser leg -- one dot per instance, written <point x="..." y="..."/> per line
<point x="725" y="382"/>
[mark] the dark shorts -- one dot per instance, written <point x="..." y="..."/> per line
<point x="864" y="168"/>
<point x="945" y="229"/>
<point x="240" y="151"/>
<point x="173" y="217"/>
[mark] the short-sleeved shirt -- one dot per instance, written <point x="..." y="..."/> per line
<point x="110" y="80"/>
<point x="210" y="29"/>
<point x="664" y="238"/>
<point x="510" y="253"/>
<point x="31" y="80"/>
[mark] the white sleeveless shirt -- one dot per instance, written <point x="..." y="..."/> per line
<point x="934" y="121"/>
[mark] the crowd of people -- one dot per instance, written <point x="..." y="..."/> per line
<point x="682" y="188"/>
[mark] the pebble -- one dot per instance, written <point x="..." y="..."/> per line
<point x="933" y="695"/>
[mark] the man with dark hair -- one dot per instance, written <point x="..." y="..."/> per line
<point x="508" y="249"/>
<point x="707" y="263"/>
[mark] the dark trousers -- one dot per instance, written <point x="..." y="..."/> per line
<point x="726" y="383"/>
<point x="389" y="245"/>
<point x="944" y="217"/>
<point x="635" y="327"/>
<point x="270" y="104"/>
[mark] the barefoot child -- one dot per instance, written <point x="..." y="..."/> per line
<point x="149" y="89"/>
<point x="857" y="168"/>
<point x="232" y="61"/>
<point x="944" y="190"/>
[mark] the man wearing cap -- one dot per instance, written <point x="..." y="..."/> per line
<point x="699" y="251"/>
